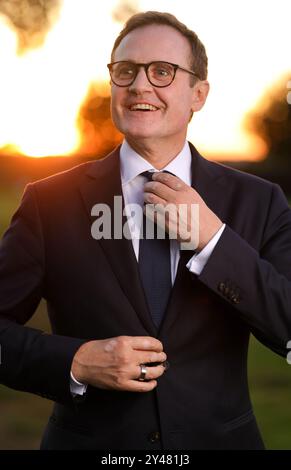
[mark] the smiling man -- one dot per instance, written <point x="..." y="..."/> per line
<point x="152" y="104"/>
<point x="150" y="341"/>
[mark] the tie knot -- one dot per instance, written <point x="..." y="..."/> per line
<point x="149" y="174"/>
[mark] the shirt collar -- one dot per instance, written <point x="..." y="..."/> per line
<point x="132" y="164"/>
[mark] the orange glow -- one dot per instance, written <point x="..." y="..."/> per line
<point x="248" y="44"/>
<point x="42" y="90"/>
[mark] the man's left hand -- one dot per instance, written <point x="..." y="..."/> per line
<point x="167" y="189"/>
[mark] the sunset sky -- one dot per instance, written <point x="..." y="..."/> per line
<point x="248" y="45"/>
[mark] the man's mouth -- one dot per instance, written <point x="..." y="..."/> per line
<point x="143" y="107"/>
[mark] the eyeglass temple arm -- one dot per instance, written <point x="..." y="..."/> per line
<point x="189" y="71"/>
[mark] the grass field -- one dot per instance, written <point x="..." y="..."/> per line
<point x="23" y="416"/>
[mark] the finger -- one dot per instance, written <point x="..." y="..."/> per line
<point x="155" y="372"/>
<point x="138" y="386"/>
<point x="165" y="217"/>
<point x="151" y="211"/>
<point x="151" y="374"/>
<point x="169" y="180"/>
<point x="146" y="343"/>
<point x="151" y="198"/>
<point x="160" y="189"/>
<point x="147" y="358"/>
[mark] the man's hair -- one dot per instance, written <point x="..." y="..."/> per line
<point x="198" y="57"/>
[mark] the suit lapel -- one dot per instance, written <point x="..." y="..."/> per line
<point x="101" y="184"/>
<point x="207" y="182"/>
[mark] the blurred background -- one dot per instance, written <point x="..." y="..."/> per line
<point x="54" y="114"/>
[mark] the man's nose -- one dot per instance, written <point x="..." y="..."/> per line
<point x="141" y="82"/>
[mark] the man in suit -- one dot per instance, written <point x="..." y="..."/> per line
<point x="138" y="361"/>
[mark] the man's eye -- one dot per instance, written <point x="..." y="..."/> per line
<point x="162" y="72"/>
<point x="125" y="72"/>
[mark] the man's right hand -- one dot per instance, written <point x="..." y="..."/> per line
<point x="114" y="363"/>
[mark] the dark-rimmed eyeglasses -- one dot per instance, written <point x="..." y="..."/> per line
<point x="159" y="73"/>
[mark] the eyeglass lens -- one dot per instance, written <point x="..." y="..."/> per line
<point x="158" y="73"/>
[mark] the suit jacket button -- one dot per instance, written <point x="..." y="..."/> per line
<point x="154" y="437"/>
<point x="229" y="294"/>
<point x="166" y="365"/>
<point x="221" y="287"/>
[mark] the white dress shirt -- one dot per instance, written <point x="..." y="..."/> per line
<point x="131" y="167"/>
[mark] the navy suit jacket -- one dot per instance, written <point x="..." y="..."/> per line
<point x="93" y="291"/>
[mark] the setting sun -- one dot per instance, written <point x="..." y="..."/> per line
<point x="42" y="89"/>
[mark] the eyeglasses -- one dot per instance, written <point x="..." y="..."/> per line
<point x="159" y="73"/>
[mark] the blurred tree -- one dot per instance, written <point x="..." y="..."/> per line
<point x="124" y="9"/>
<point x="98" y="134"/>
<point x="271" y="120"/>
<point x="32" y="19"/>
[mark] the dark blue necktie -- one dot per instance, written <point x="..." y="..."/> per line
<point x="155" y="269"/>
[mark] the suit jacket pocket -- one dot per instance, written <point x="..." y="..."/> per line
<point x="242" y="433"/>
<point x="239" y="421"/>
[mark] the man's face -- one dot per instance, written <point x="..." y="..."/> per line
<point x="174" y="103"/>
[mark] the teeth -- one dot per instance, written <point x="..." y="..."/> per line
<point x="135" y="107"/>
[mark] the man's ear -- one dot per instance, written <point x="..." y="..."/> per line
<point x="200" y="93"/>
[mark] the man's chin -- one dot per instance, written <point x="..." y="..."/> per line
<point x="140" y="136"/>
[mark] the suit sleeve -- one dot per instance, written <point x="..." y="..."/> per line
<point x="31" y="360"/>
<point x="257" y="283"/>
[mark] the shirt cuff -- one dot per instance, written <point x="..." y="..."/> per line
<point x="77" y="388"/>
<point x="199" y="260"/>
